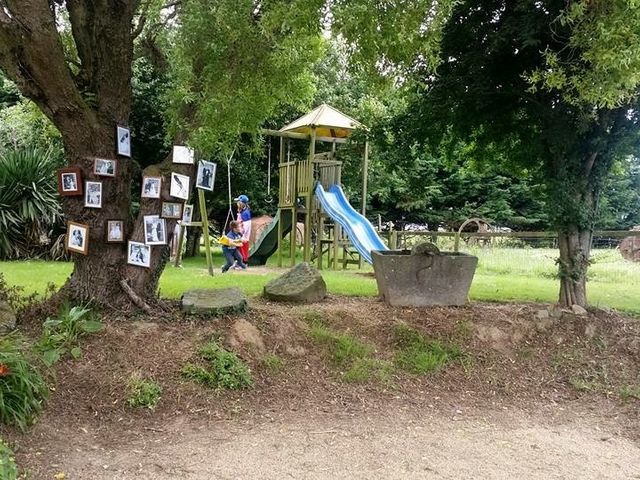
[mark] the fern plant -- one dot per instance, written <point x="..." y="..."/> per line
<point x="29" y="202"/>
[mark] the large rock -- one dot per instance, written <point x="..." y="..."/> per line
<point x="214" y="301"/>
<point x="7" y="318"/>
<point x="301" y="284"/>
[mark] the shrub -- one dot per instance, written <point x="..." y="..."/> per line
<point x="22" y="388"/>
<point x="143" y="392"/>
<point x="29" y="203"/>
<point x="418" y="354"/>
<point x="61" y="334"/>
<point x="8" y="468"/>
<point x="218" y="368"/>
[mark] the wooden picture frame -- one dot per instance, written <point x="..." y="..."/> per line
<point x="171" y="210"/>
<point x="114" y="231"/>
<point x="138" y="254"/>
<point x="93" y="194"/>
<point x="70" y="181"/>
<point x="77" y="239"/>
<point x="105" y="167"/>
<point x="151" y="187"/>
<point x="123" y="141"/>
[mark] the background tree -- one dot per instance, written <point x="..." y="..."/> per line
<point x="552" y="85"/>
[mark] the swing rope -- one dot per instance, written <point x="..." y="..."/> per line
<point x="230" y="212"/>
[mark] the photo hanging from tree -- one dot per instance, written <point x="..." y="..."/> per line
<point x="206" y="175"/>
<point x="123" y="140"/>
<point x="179" y="186"/>
<point x="171" y="210"/>
<point x="151" y="187"/>
<point x="138" y="254"/>
<point x="182" y="154"/>
<point x="69" y="181"/>
<point x="77" y="238"/>
<point x="187" y="214"/>
<point x="93" y="195"/>
<point x="155" y="230"/>
<point x="115" y="231"/>
<point x="104" y="167"/>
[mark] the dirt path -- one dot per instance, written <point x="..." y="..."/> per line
<point x="395" y="445"/>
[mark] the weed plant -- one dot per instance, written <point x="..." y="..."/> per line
<point x="23" y="390"/>
<point x="8" y="468"/>
<point x="218" y="368"/>
<point x="143" y="392"/>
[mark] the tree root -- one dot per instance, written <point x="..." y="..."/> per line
<point x="135" y="298"/>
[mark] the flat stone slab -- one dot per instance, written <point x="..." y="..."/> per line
<point x="214" y="301"/>
<point x="301" y="284"/>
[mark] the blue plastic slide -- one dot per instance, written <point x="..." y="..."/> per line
<point x="360" y="231"/>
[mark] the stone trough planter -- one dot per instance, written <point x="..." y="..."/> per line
<point x="424" y="277"/>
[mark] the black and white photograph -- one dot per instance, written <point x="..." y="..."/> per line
<point x="151" y="187"/>
<point x="123" y="139"/>
<point x="206" y="175"/>
<point x="187" y="214"/>
<point x="155" y="230"/>
<point x="179" y="186"/>
<point x="104" y="167"/>
<point x="69" y="181"/>
<point x="182" y="154"/>
<point x="115" y="231"/>
<point x="139" y="254"/>
<point x="171" y="210"/>
<point x="77" y="237"/>
<point x="93" y="194"/>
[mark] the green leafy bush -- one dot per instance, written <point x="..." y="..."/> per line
<point x="143" y="392"/>
<point x="29" y="202"/>
<point x="218" y="368"/>
<point x="23" y="390"/>
<point x="61" y="334"/>
<point x="8" y="468"/>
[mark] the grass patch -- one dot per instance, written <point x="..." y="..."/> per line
<point x="629" y="392"/>
<point x="352" y="356"/>
<point x="8" y="468"/>
<point x="143" y="392"/>
<point x="218" y="368"/>
<point x="273" y="363"/>
<point x="418" y="354"/>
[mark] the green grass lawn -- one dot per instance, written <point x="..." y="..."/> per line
<point x="504" y="274"/>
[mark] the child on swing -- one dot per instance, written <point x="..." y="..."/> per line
<point x="232" y="251"/>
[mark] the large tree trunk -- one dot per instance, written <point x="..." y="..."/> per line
<point x="575" y="250"/>
<point x="85" y="104"/>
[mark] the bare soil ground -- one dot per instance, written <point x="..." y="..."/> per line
<point x="536" y="398"/>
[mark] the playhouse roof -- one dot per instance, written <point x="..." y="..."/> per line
<point x="327" y="121"/>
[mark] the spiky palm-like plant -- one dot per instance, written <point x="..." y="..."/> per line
<point x="29" y="202"/>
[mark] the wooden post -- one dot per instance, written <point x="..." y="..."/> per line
<point x="293" y="235"/>
<point x="307" y="199"/>
<point x="205" y="230"/>
<point x="280" y="230"/>
<point x="178" y="259"/>
<point x="365" y="170"/>
<point x="319" y="239"/>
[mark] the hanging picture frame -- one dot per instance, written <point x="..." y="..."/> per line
<point x="138" y="254"/>
<point x="115" y="231"/>
<point x="171" y="210"/>
<point x="151" y="187"/>
<point x="123" y="141"/>
<point x="206" y="175"/>
<point x="155" y="230"/>
<point x="77" y="239"/>
<point x="69" y="181"/>
<point x="187" y="214"/>
<point x="183" y="154"/>
<point x="105" y="167"/>
<point x="179" y="186"/>
<point x="93" y="194"/>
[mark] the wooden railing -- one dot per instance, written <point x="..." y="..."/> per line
<point x="287" y="184"/>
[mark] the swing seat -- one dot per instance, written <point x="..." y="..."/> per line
<point x="224" y="240"/>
